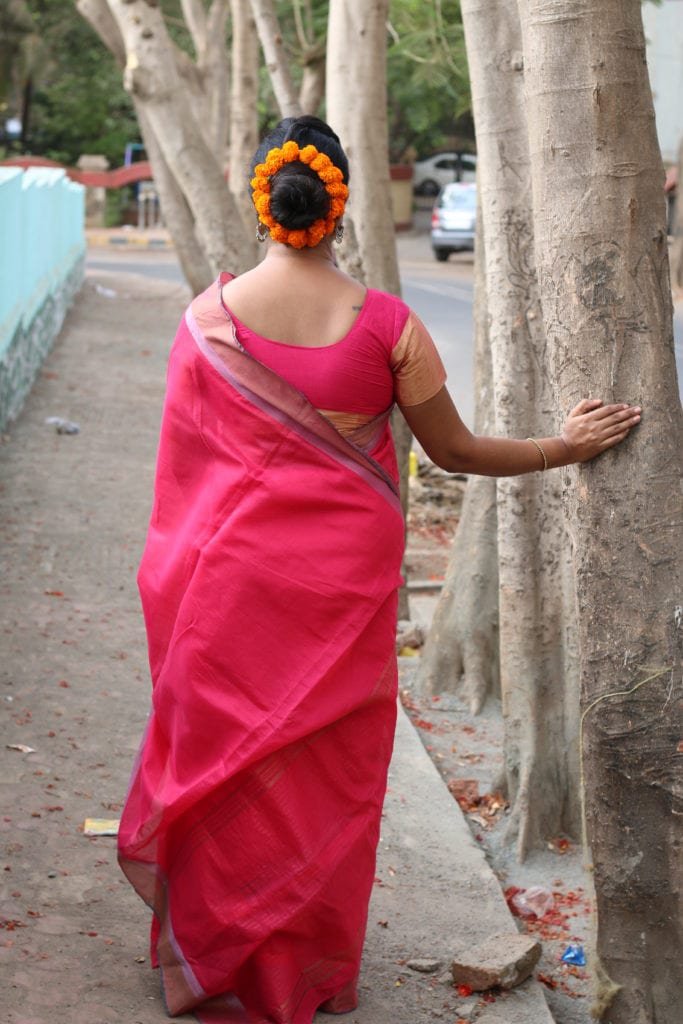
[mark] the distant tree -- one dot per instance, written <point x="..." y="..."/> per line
<point x="58" y="80"/>
<point x="427" y="77"/>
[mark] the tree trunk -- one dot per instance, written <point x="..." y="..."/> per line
<point x="461" y="652"/>
<point x="677" y="247"/>
<point x="538" y="667"/>
<point x="216" y="71"/>
<point x="276" y="58"/>
<point x="357" y="109"/>
<point x="601" y="251"/>
<point x="312" y="88"/>
<point x="152" y="77"/>
<point x="244" y="106"/>
<point x="177" y="213"/>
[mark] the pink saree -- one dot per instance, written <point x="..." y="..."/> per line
<point x="268" y="584"/>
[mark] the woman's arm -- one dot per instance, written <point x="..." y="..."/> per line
<point x="590" y="428"/>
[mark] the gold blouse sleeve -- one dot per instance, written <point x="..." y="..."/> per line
<point x="416" y="365"/>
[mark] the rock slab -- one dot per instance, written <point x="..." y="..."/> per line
<point x="503" y="961"/>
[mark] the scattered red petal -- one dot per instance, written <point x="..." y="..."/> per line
<point x="54" y="593"/>
<point x="464" y="990"/>
<point x="63" y="682"/>
<point x="546" y="980"/>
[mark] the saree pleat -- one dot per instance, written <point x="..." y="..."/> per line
<point x="268" y="585"/>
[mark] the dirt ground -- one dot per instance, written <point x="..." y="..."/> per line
<point x="468" y="752"/>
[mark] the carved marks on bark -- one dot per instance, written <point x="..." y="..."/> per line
<point x="596" y="292"/>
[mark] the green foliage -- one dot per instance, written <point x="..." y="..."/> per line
<point x="78" y="104"/>
<point x="78" y="101"/>
<point x="427" y="77"/>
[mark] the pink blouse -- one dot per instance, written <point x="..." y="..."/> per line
<point x="387" y="356"/>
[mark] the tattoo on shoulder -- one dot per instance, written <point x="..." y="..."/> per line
<point x="358" y="308"/>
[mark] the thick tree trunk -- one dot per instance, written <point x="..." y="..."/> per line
<point x="601" y="251"/>
<point x="177" y="214"/>
<point x="357" y="110"/>
<point x="461" y="652"/>
<point x="276" y="58"/>
<point x="538" y="667"/>
<point x="677" y="247"/>
<point x="151" y="76"/>
<point x="244" y="106"/>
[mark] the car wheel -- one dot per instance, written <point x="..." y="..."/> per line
<point x="442" y="254"/>
<point x="429" y="188"/>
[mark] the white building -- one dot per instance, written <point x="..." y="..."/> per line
<point x="664" y="34"/>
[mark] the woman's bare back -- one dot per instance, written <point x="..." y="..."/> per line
<point x="307" y="302"/>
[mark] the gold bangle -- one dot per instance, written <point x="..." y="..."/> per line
<point x="541" y="452"/>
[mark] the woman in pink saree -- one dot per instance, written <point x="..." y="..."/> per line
<point x="269" y="584"/>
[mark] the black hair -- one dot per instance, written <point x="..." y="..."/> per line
<point x="297" y="195"/>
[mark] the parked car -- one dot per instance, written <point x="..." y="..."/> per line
<point x="453" y="219"/>
<point x="431" y="174"/>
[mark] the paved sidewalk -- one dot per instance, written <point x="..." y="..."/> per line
<point x="74" y="687"/>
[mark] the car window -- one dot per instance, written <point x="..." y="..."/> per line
<point x="445" y="164"/>
<point x="458" y="199"/>
<point x="468" y="163"/>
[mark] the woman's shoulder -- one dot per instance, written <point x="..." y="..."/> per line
<point x="389" y="313"/>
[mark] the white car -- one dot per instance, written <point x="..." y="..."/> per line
<point x="431" y="174"/>
<point x="453" y="219"/>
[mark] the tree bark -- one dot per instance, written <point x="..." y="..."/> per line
<point x="601" y="251"/>
<point x="216" y="71"/>
<point x="177" y="214"/>
<point x="538" y="666"/>
<point x="677" y="247"/>
<point x="151" y="76"/>
<point x="243" y="116"/>
<point x="312" y="88"/>
<point x="357" y="109"/>
<point x="276" y="58"/>
<point x="461" y="652"/>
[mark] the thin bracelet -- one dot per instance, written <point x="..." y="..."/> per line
<point x="541" y="452"/>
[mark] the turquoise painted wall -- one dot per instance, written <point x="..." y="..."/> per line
<point x="42" y="250"/>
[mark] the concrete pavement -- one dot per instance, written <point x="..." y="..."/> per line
<point x="74" y="689"/>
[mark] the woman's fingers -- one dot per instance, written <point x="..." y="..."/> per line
<point x="585" y="405"/>
<point x="614" y="410"/>
<point x="615" y="439"/>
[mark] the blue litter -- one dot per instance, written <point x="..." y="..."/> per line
<point x="574" y="955"/>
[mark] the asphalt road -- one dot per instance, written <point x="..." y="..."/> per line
<point x="440" y="293"/>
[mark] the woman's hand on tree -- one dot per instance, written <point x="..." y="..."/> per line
<point x="592" y="428"/>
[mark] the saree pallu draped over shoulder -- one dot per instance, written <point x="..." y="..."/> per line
<point x="268" y="585"/>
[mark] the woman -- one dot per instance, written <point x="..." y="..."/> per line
<point x="269" y="586"/>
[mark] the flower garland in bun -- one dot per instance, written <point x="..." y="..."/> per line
<point x="331" y="176"/>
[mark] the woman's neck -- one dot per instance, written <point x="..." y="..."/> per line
<point x="321" y="253"/>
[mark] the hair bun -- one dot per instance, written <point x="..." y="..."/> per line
<point x="298" y="197"/>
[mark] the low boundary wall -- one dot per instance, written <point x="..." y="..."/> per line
<point x="42" y="255"/>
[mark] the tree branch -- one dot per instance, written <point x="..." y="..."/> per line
<point x="300" y="29"/>
<point x="275" y="57"/>
<point x="194" y="14"/>
<point x="99" y="16"/>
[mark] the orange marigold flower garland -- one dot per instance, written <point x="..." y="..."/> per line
<point x="331" y="176"/>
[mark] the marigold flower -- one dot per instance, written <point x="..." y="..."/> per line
<point x="331" y="176"/>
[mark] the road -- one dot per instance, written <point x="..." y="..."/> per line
<point x="440" y="293"/>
